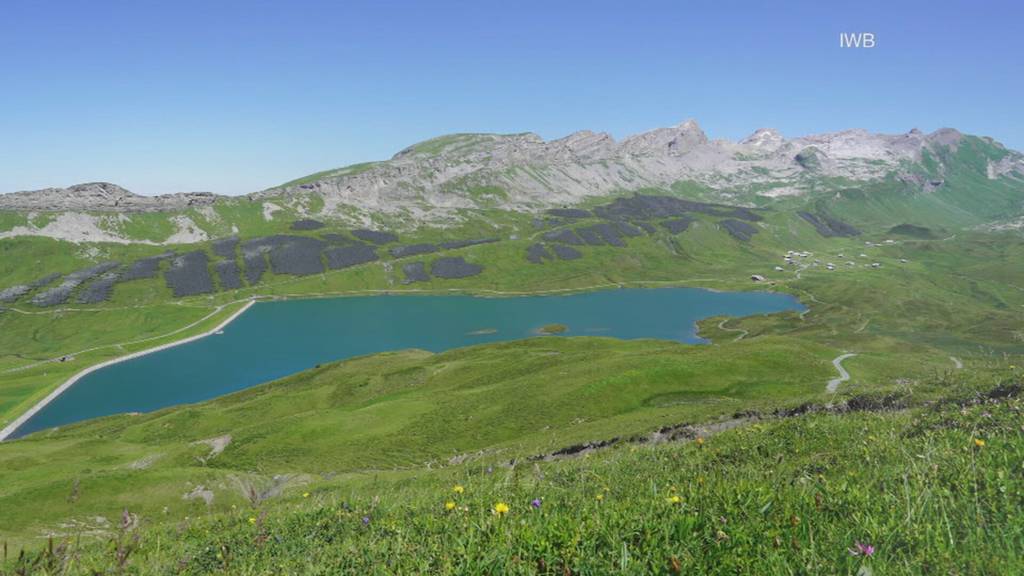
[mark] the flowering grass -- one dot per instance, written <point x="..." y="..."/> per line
<point x="892" y="492"/>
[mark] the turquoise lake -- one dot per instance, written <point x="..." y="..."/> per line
<point x="275" y="339"/>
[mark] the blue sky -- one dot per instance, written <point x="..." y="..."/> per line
<point x="236" y="96"/>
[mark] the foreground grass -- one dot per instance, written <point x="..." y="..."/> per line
<point x="935" y="489"/>
<point x="393" y="411"/>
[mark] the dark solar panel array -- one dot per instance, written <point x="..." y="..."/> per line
<point x="298" y="256"/>
<point x="538" y="253"/>
<point x="566" y="252"/>
<point x="375" y="236"/>
<point x="189" y="274"/>
<point x="307" y="224"/>
<point x="99" y="290"/>
<point x="456" y="244"/>
<point x="145" y="267"/>
<point x="565" y="236"/>
<point x="415" y="272"/>
<point x="739" y="230"/>
<point x="828" y="226"/>
<point x="229" y="274"/>
<point x="677" y="225"/>
<point x="225" y="247"/>
<point x="569" y="213"/>
<point x="412" y="250"/>
<point x="61" y="293"/>
<point x="454" y="267"/>
<point x="345" y="256"/>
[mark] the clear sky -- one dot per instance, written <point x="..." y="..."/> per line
<point x="237" y="96"/>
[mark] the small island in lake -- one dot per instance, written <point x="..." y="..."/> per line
<point x="553" y="329"/>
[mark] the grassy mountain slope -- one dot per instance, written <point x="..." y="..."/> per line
<point x="956" y="194"/>
<point x="402" y="410"/>
<point x="952" y="298"/>
<point x="955" y="294"/>
<point x="928" y="488"/>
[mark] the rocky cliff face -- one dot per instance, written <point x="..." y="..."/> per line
<point x="525" y="172"/>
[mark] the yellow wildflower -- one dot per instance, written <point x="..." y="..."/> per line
<point x="449" y="505"/>
<point x="674" y="499"/>
<point x="600" y="497"/>
<point x="979" y="442"/>
<point x="458" y="489"/>
<point x="500" y="508"/>
<point x="700" y="440"/>
<point x="252" y="519"/>
<point x="305" y="494"/>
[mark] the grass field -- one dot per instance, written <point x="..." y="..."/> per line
<point x="894" y="487"/>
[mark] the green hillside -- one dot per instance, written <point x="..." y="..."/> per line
<point x="897" y="484"/>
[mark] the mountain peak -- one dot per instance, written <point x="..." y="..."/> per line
<point x="946" y="137"/>
<point x="98" y="190"/>
<point x="689" y="125"/>
<point x="768" y="138"/>
<point x="673" y="141"/>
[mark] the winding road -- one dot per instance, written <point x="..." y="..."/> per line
<point x="834" y="383"/>
<point x="743" y="333"/>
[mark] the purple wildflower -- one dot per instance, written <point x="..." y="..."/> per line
<point x="862" y="550"/>
<point x="366" y="520"/>
<point x="535" y="503"/>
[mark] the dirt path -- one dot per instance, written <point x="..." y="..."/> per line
<point x="807" y="310"/>
<point x="697" y="432"/>
<point x="834" y="383"/>
<point x="743" y="333"/>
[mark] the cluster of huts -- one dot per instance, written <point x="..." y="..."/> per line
<point x="796" y="257"/>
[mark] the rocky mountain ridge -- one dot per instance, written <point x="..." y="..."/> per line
<point x="434" y="180"/>
<point x="102" y="197"/>
<point x="524" y="172"/>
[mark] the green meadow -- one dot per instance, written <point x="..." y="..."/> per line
<point x="893" y="484"/>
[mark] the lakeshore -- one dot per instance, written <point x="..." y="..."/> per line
<point x="287" y="336"/>
<point x="11" y="428"/>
